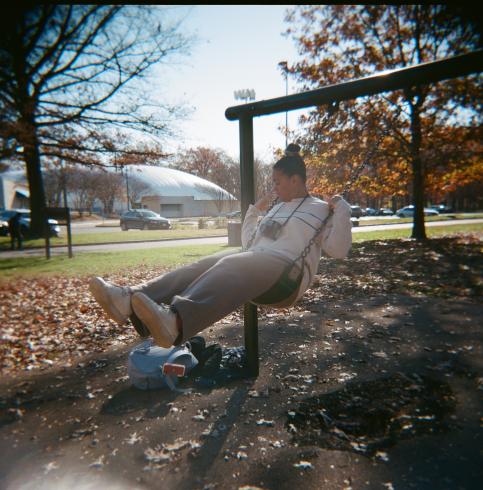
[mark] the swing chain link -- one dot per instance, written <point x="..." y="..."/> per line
<point x="355" y="175"/>
<point x="347" y="187"/>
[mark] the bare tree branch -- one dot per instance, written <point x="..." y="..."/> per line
<point x="68" y="71"/>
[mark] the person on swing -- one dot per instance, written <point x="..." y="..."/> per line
<point x="177" y="305"/>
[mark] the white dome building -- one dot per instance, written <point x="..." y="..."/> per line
<point x="169" y="192"/>
<point x="176" y="194"/>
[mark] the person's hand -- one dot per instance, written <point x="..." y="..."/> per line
<point x="333" y="201"/>
<point x="265" y="201"/>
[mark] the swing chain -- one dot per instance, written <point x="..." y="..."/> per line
<point x="357" y="172"/>
<point x="355" y="175"/>
<point x="347" y="187"/>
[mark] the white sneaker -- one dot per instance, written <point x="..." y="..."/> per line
<point x="115" y="300"/>
<point x="159" y="319"/>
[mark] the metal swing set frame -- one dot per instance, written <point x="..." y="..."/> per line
<point x="403" y="78"/>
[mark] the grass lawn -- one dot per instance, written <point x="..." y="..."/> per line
<point x="394" y="219"/>
<point x="433" y="231"/>
<point x="104" y="262"/>
<point x="108" y="262"/>
<point x="118" y="237"/>
<point x="177" y="233"/>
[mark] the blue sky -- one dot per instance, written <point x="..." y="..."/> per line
<point x="239" y="47"/>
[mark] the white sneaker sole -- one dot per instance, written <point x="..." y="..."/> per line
<point x="98" y="290"/>
<point x="147" y="311"/>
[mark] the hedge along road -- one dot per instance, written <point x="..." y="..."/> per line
<point x="109" y="247"/>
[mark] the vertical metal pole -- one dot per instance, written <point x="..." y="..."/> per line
<point x="283" y="65"/>
<point x="127" y="190"/>
<point x="47" y="234"/>
<point x="286" y="112"/>
<point x="69" y="232"/>
<point x="248" y="197"/>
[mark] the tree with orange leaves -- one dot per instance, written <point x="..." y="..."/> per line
<point x="342" y="42"/>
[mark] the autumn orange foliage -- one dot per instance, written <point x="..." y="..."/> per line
<point x="431" y="148"/>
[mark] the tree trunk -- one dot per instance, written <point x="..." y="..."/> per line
<point x="37" y="195"/>
<point x="419" y="231"/>
<point x="34" y="175"/>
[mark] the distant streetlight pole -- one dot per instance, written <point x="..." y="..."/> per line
<point x="283" y="65"/>
<point x="245" y="94"/>
<point x="127" y="188"/>
<point x="63" y="177"/>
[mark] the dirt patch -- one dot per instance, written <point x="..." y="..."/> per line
<point x="374" y="415"/>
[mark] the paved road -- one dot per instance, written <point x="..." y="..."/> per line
<point x="109" y="247"/>
<point x="112" y="225"/>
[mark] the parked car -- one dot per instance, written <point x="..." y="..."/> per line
<point x="370" y="212"/>
<point x="442" y="208"/>
<point x="3" y="227"/>
<point x="384" y="212"/>
<point x="356" y="211"/>
<point x="408" y="212"/>
<point x="25" y="221"/>
<point x="143" y="219"/>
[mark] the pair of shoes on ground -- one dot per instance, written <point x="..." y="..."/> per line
<point x="120" y="302"/>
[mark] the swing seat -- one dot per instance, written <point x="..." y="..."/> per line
<point x="284" y="292"/>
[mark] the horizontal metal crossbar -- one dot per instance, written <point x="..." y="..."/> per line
<point x="432" y="72"/>
<point x="425" y="73"/>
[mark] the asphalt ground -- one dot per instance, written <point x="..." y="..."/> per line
<point x="85" y="427"/>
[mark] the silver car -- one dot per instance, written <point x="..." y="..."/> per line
<point x="408" y="212"/>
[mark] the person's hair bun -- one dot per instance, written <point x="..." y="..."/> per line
<point x="292" y="150"/>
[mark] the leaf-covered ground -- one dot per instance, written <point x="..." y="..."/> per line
<point x="55" y="321"/>
<point x="372" y="381"/>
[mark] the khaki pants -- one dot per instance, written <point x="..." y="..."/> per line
<point x="208" y="290"/>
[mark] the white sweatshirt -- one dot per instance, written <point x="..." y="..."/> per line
<point x="335" y="240"/>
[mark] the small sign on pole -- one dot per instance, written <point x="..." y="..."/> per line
<point x="62" y="215"/>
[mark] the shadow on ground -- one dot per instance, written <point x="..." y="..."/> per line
<point x="373" y="381"/>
